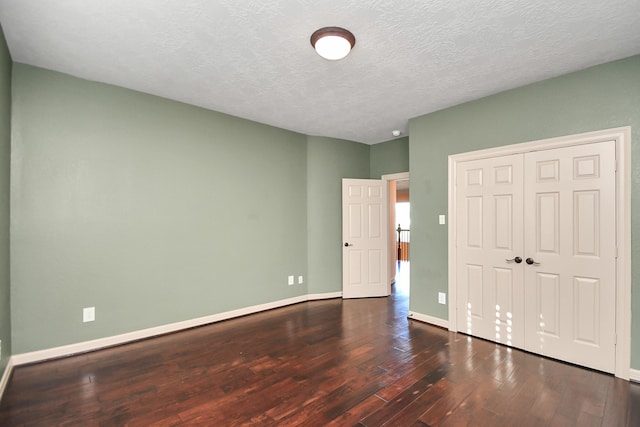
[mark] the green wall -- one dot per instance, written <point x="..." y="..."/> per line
<point x="150" y="210"/>
<point x="328" y="161"/>
<point x="5" y="163"/>
<point x="155" y="212"/>
<point x="389" y="157"/>
<point x="601" y="97"/>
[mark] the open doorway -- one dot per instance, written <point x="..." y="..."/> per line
<point x="399" y="230"/>
<point x="403" y="220"/>
<point x="402" y="236"/>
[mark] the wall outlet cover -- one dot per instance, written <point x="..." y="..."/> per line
<point x="290" y="280"/>
<point x="300" y="280"/>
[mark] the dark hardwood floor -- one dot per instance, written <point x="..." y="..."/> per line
<point x="322" y="363"/>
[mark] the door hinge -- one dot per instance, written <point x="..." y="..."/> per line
<point x="615" y="339"/>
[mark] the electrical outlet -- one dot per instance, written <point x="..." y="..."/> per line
<point x="300" y="280"/>
<point x="291" y="281"/>
<point x="88" y="314"/>
<point x="442" y="298"/>
<point x="442" y="220"/>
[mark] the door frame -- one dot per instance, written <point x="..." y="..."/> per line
<point x="402" y="176"/>
<point x="622" y="138"/>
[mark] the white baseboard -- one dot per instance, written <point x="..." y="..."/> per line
<point x="429" y="319"/>
<point x="5" y="377"/>
<point x="83" y="347"/>
<point x="329" y="295"/>
<point x="634" y="375"/>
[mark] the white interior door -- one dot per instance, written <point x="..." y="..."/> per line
<point x="554" y="210"/>
<point x="489" y="245"/>
<point x="570" y="236"/>
<point x="365" y="240"/>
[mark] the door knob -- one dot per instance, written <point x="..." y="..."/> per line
<point x="347" y="244"/>
<point x="517" y="259"/>
<point x="531" y="261"/>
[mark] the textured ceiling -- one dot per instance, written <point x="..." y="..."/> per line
<point x="253" y="59"/>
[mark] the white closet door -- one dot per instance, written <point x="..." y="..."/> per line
<point x="490" y="294"/>
<point x="570" y="229"/>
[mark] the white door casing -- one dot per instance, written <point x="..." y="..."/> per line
<point x="586" y="286"/>
<point x="365" y="238"/>
<point x="391" y="180"/>
<point x="392" y="253"/>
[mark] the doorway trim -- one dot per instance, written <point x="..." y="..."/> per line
<point x="402" y="176"/>
<point x="622" y="138"/>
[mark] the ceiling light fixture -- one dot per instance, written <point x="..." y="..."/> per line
<point x="333" y="43"/>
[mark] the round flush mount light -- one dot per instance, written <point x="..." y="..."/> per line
<point x="333" y="43"/>
<point x="395" y="132"/>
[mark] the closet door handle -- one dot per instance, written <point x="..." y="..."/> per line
<point x="517" y="260"/>
<point x="531" y="261"/>
<point x="347" y="245"/>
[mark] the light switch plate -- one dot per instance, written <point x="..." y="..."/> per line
<point x="88" y="314"/>
<point x="442" y="220"/>
<point x="442" y="298"/>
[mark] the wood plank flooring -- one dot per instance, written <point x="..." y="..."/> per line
<point x="322" y="363"/>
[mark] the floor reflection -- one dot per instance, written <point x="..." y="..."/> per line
<point x="401" y="286"/>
